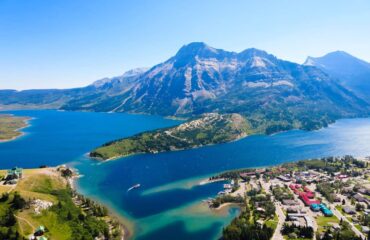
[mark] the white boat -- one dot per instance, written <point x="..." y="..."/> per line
<point x="133" y="187"/>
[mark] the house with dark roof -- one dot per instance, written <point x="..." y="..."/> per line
<point x="359" y="198"/>
<point x="348" y="210"/>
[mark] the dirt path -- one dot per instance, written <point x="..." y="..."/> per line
<point x="26" y="221"/>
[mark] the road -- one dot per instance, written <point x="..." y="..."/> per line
<point x="281" y="216"/>
<point x="277" y="234"/>
<point x="340" y="216"/>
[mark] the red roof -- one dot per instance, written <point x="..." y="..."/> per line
<point x="308" y="201"/>
<point x="306" y="195"/>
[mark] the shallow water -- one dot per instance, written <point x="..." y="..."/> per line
<point x="168" y="203"/>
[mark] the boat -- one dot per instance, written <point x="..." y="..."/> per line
<point x="134" y="187"/>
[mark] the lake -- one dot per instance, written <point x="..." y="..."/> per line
<point x="168" y="203"/>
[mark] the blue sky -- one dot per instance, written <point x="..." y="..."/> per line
<point x="70" y="43"/>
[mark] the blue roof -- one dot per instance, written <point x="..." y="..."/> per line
<point x="325" y="210"/>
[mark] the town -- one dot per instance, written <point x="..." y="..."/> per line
<point x="326" y="198"/>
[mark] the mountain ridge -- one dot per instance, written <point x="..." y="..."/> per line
<point x="352" y="72"/>
<point x="272" y="94"/>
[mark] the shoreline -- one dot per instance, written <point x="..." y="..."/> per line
<point x="19" y="130"/>
<point x="99" y="159"/>
<point x="125" y="224"/>
<point x="254" y="133"/>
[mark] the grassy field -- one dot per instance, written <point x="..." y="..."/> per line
<point x="64" y="219"/>
<point x="38" y="184"/>
<point x="272" y="223"/>
<point x="325" y="222"/>
<point x="10" y="125"/>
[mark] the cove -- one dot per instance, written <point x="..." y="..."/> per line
<point x="168" y="204"/>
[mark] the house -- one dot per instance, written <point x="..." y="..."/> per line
<point x="363" y="191"/>
<point x="247" y="174"/>
<point x="358" y="197"/>
<point x="367" y="211"/>
<point x="348" y="210"/>
<point x="14" y="173"/>
<point x="309" y="222"/>
<point x="259" y="209"/>
<point x="289" y="202"/>
<point x="365" y="229"/>
<point x="284" y="178"/>
<point x="336" y="198"/>
<point x="336" y="226"/>
<point x="260" y="222"/>
<point x="292" y="210"/>
<point x="39" y="231"/>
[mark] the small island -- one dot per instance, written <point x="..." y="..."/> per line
<point x="42" y="204"/>
<point x="10" y="127"/>
<point x="210" y="129"/>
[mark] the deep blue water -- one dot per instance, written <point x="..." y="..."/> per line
<point x="163" y="208"/>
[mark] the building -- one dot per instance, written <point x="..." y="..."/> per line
<point x="306" y="195"/>
<point x="321" y="207"/>
<point x="365" y="229"/>
<point x="14" y="173"/>
<point x="359" y="198"/>
<point x="292" y="210"/>
<point x="308" y="201"/>
<point x="326" y="211"/>
<point x="289" y="202"/>
<point x="363" y="191"/>
<point x="348" y="210"/>
<point x="284" y="178"/>
<point x="294" y="217"/>
<point x="315" y="207"/>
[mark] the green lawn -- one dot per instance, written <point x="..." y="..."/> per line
<point x="324" y="222"/>
<point x="9" y="126"/>
<point x="272" y="223"/>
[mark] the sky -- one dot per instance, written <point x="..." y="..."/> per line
<point x="71" y="43"/>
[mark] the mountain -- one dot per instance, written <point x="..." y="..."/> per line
<point x="353" y="73"/>
<point x="270" y="93"/>
<point x="57" y="98"/>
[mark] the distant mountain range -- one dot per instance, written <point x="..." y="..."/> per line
<point x="272" y="94"/>
<point x="352" y="72"/>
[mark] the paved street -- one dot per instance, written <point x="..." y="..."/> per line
<point x="339" y="215"/>
<point x="279" y="211"/>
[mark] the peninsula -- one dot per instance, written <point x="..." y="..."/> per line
<point x="10" y="126"/>
<point x="209" y="129"/>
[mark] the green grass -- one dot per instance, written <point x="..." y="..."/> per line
<point x="9" y="126"/>
<point x="57" y="229"/>
<point x="324" y="222"/>
<point x="358" y="226"/>
<point x="272" y="223"/>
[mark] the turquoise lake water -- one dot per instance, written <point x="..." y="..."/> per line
<point x="168" y="204"/>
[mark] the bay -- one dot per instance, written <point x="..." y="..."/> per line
<point x="168" y="203"/>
